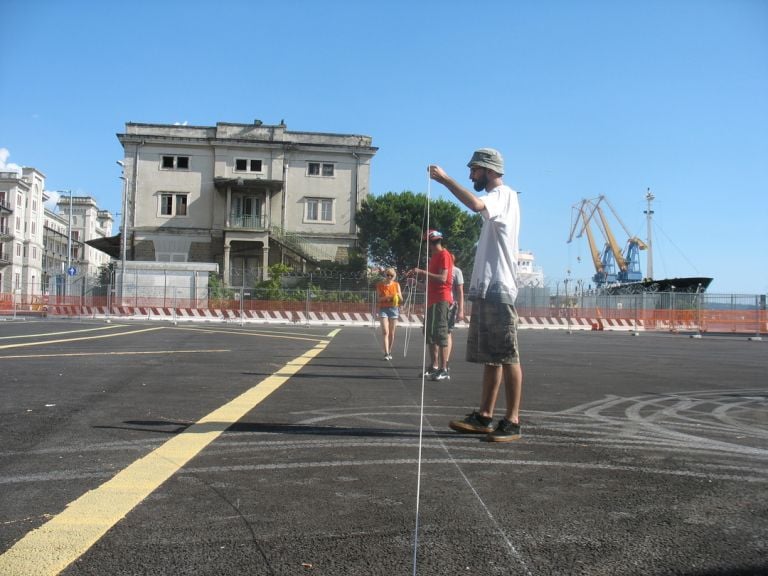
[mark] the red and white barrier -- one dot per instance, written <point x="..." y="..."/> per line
<point x="312" y="317"/>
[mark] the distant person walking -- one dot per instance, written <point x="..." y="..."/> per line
<point x="390" y="297"/>
<point x="439" y="275"/>
<point x="492" y="338"/>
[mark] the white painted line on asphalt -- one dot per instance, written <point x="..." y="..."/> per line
<point x="53" y="546"/>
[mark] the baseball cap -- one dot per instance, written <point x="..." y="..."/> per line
<point x="433" y="235"/>
<point x="488" y="158"/>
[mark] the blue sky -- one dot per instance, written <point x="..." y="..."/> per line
<point x="583" y="98"/>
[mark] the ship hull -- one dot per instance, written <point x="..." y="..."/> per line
<point x="691" y="285"/>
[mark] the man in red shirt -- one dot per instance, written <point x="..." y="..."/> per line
<point x="439" y="278"/>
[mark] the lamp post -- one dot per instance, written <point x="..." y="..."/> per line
<point x="567" y="304"/>
<point x="123" y="229"/>
<point x="69" y="247"/>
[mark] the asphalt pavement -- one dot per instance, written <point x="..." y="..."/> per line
<point x="213" y="448"/>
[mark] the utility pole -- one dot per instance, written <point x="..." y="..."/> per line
<point x="123" y="229"/>
<point x="69" y="246"/>
<point x="649" y="197"/>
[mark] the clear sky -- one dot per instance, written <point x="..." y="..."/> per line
<point x="583" y="98"/>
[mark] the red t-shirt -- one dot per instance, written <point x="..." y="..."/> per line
<point x="440" y="291"/>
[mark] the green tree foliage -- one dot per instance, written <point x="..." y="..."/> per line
<point x="217" y="290"/>
<point x="272" y="289"/>
<point x="392" y="229"/>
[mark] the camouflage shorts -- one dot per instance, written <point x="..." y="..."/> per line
<point x="437" y="324"/>
<point x="492" y="335"/>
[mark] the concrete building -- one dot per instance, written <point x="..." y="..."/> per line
<point x="34" y="241"/>
<point x="21" y="232"/>
<point x="242" y="196"/>
<point x="87" y="223"/>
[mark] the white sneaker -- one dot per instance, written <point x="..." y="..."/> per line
<point x="441" y="375"/>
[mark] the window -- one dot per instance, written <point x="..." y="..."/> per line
<point x="181" y="204"/>
<point x="166" y="204"/>
<point x="173" y="204"/>
<point x="170" y="257"/>
<point x="320" y="169"/>
<point x="175" y="163"/>
<point x="246" y="165"/>
<point x="319" y="210"/>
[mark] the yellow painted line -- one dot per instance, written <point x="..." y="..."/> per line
<point x="52" y="547"/>
<point x="111" y="327"/>
<point x="63" y="340"/>
<point x="113" y="353"/>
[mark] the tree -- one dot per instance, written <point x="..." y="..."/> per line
<point x="392" y="228"/>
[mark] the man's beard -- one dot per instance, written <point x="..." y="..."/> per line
<point x="481" y="183"/>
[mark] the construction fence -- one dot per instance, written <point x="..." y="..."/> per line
<point x="336" y="300"/>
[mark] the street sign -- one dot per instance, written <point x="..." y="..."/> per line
<point x="71" y="270"/>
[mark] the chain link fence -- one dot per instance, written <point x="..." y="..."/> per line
<point x="355" y="293"/>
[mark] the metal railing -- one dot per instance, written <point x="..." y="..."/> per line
<point x="300" y="245"/>
<point x="248" y="222"/>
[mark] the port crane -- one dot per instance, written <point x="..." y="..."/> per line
<point x="612" y="265"/>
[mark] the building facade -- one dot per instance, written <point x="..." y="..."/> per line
<point x="243" y="196"/>
<point x="64" y="252"/>
<point x="36" y="246"/>
<point x="21" y="231"/>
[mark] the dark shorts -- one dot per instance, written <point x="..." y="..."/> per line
<point x="436" y="327"/>
<point x="453" y="312"/>
<point x="492" y="337"/>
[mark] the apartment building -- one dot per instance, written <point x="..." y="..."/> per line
<point x="242" y="196"/>
<point x="21" y="231"/>
<point x="65" y="253"/>
<point x="34" y="241"/>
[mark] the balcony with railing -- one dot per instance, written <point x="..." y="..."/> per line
<point x="294" y="242"/>
<point x="247" y="222"/>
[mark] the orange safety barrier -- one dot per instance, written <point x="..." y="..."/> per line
<point x="736" y="321"/>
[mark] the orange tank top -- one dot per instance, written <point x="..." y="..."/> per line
<point x="386" y="292"/>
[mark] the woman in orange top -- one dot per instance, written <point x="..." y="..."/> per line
<point x="390" y="298"/>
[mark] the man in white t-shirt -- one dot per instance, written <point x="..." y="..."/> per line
<point x="492" y="339"/>
<point x="456" y="311"/>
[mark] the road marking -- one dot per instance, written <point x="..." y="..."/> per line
<point x="53" y="546"/>
<point x="63" y="340"/>
<point x="111" y="327"/>
<point x="21" y="356"/>
<point x="285" y="335"/>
